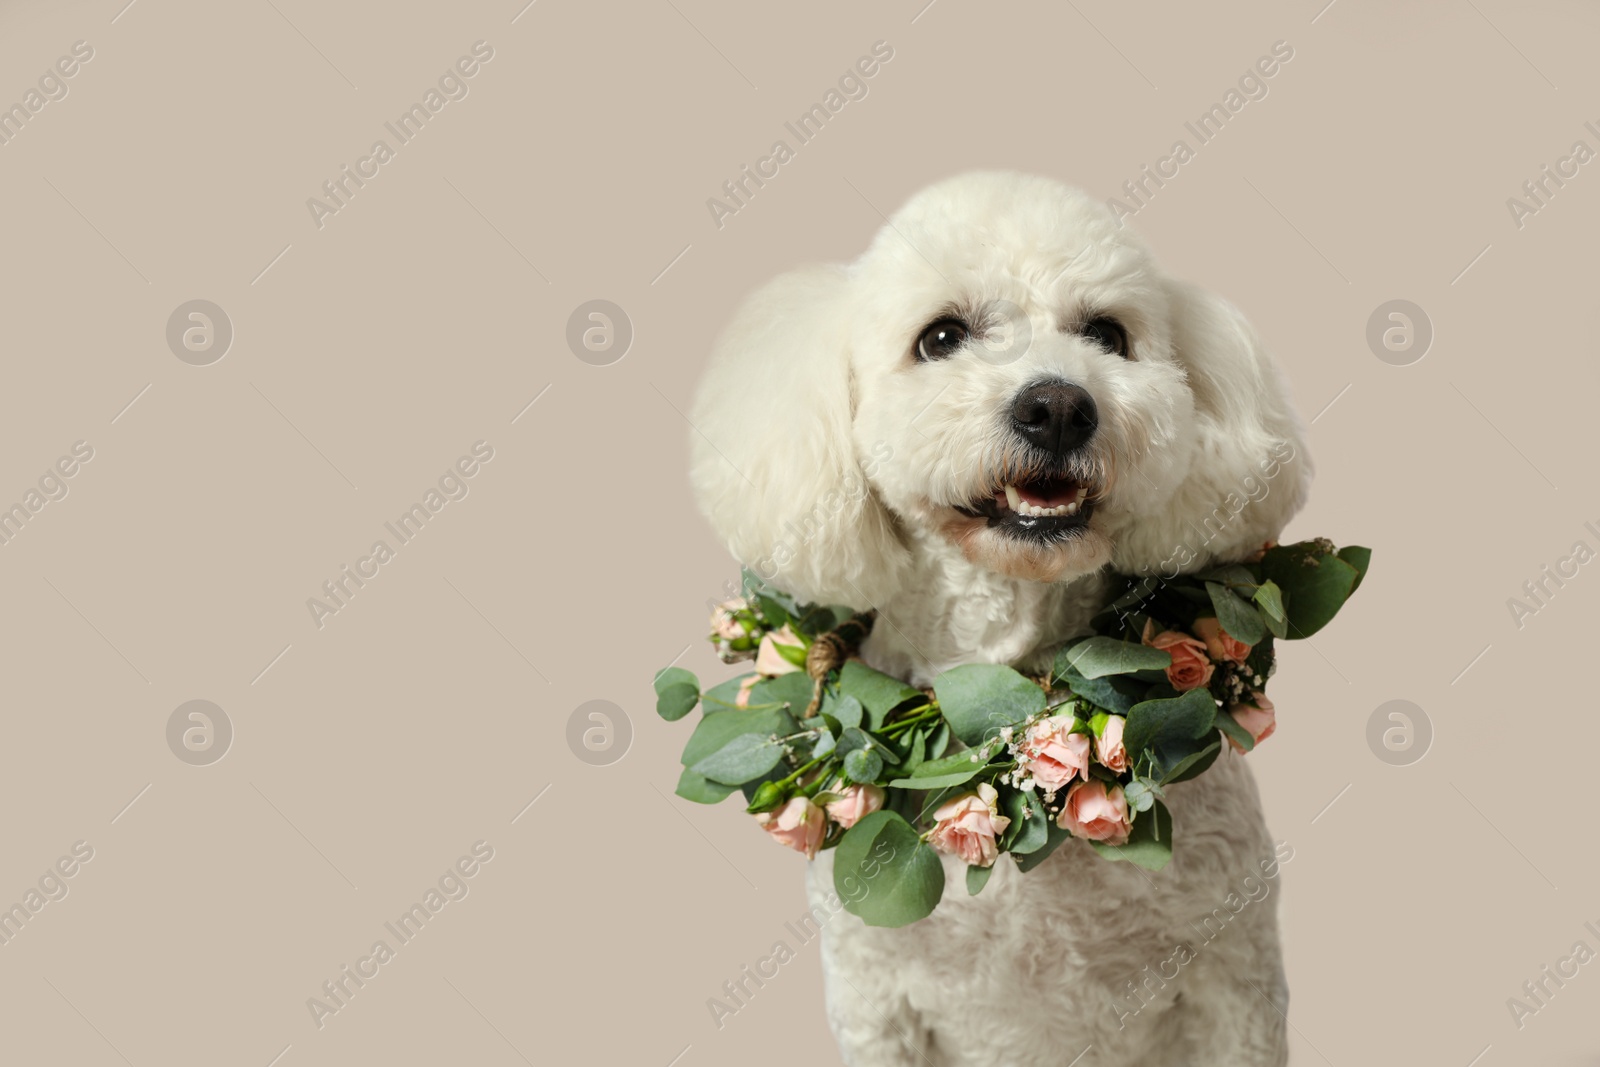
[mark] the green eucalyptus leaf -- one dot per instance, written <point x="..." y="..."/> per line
<point x="1096" y="657"/>
<point x="1183" y="717"/>
<point x="742" y="759"/>
<point x="792" y="690"/>
<point x="956" y="769"/>
<point x="1315" y="585"/>
<point x="848" y="710"/>
<point x="1359" y="558"/>
<point x="1238" y="616"/>
<point x="701" y="790"/>
<point x="1236" y="575"/>
<point x="917" y="754"/>
<point x="1139" y="795"/>
<point x="980" y="699"/>
<point x="854" y="739"/>
<point x="977" y="878"/>
<point x="1118" y="693"/>
<point x="1180" y="760"/>
<point x="863" y="765"/>
<point x="715" y="730"/>
<point x="1238" y="734"/>
<point x="772" y="612"/>
<point x="1269" y="598"/>
<point x="820" y="618"/>
<point x="902" y="876"/>
<point x="1027" y="832"/>
<point x="877" y="692"/>
<point x="677" y="692"/>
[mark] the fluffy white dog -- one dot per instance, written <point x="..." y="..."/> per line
<point x="964" y="429"/>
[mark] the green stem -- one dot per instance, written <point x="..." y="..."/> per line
<point x="919" y="715"/>
<point x="801" y="770"/>
<point x="816" y="787"/>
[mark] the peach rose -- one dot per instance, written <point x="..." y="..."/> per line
<point x="968" y="825"/>
<point x="1053" y="754"/>
<point x="855" y="803"/>
<point x="1221" y="644"/>
<point x="1108" y="746"/>
<point x="799" y="824"/>
<point x="724" y="626"/>
<point x="1259" y="717"/>
<point x="1096" y="812"/>
<point x="769" y="661"/>
<point x="1190" y="667"/>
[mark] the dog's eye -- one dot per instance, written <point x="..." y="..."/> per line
<point x="941" y="340"/>
<point x="1108" y="334"/>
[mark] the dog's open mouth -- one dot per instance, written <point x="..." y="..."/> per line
<point x="1039" y="509"/>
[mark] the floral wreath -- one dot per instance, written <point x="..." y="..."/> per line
<point x="829" y="753"/>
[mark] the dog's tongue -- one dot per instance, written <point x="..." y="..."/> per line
<point x="1049" y="494"/>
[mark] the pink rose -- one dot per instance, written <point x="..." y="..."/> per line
<point x="1221" y="644"/>
<point x="724" y="626"/>
<point x="1053" y="754"/>
<point x="1096" y="812"/>
<point x="1190" y="668"/>
<point x="1108" y="746"/>
<point x="743" y="699"/>
<point x="968" y="825"/>
<point x="799" y="824"/>
<point x="1260" y="718"/>
<point x="769" y="661"/>
<point x="854" y="804"/>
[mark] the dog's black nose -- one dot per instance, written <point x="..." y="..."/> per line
<point x="1055" y="416"/>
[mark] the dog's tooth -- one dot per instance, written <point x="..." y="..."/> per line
<point x="1013" y="498"/>
<point x="1070" y="509"/>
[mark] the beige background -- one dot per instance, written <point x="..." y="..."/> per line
<point x="426" y="315"/>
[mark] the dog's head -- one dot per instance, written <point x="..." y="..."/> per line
<point x="1005" y="369"/>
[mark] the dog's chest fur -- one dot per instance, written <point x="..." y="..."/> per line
<point x="950" y="613"/>
<point x="1080" y="951"/>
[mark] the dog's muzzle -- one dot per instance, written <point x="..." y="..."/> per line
<point x="1042" y="496"/>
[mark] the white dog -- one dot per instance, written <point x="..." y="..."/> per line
<point x="963" y="430"/>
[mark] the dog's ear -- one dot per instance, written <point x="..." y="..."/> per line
<point x="1251" y="468"/>
<point x="775" y="466"/>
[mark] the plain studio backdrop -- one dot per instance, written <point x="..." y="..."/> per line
<point x="367" y="347"/>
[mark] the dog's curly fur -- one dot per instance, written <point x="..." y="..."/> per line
<point x="839" y="466"/>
